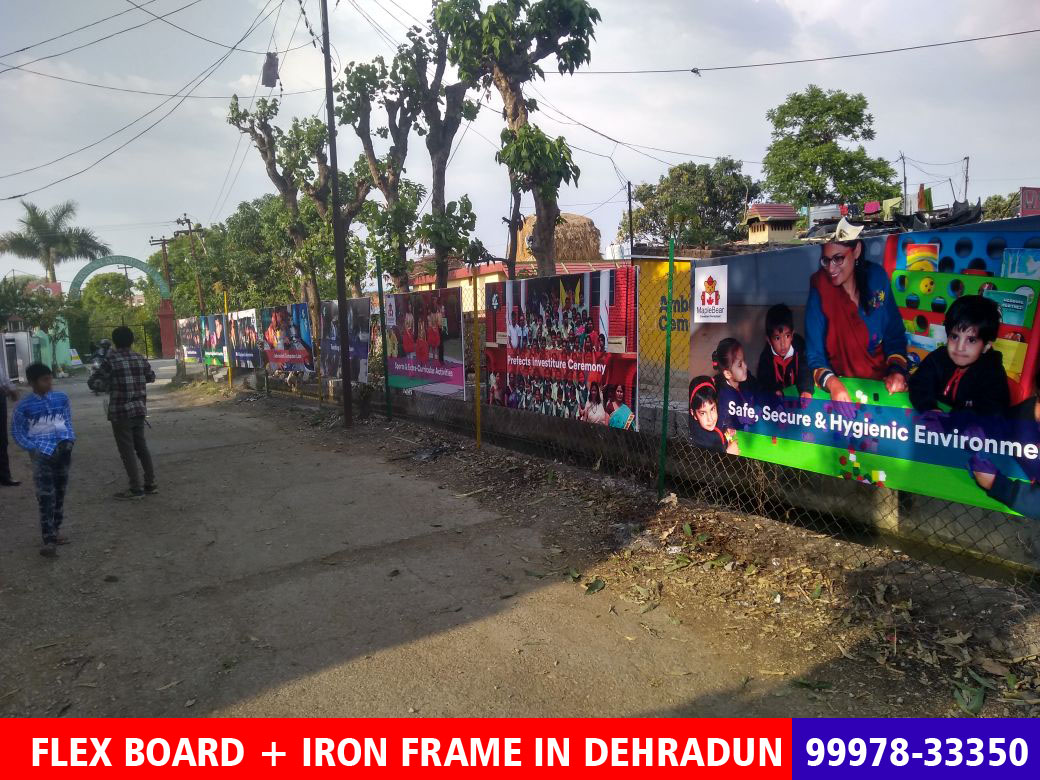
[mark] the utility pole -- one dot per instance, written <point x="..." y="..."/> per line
<point x="337" y="227"/>
<point x="631" y="232"/>
<point x="178" y="352"/>
<point x="162" y="241"/>
<point x="906" y="202"/>
<point x="190" y="232"/>
<point x="967" y="160"/>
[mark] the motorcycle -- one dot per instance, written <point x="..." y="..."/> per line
<point x="97" y="381"/>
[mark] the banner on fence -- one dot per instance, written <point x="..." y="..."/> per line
<point x="565" y="346"/>
<point x="244" y="339"/>
<point x="653" y="325"/>
<point x="191" y="339"/>
<point x="287" y="337"/>
<point x="214" y="339"/>
<point x="424" y="345"/>
<point x="359" y="319"/>
<point x="877" y="362"/>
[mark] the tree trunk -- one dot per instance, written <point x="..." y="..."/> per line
<point x="439" y="160"/>
<point x="401" y="279"/>
<point x="514" y="222"/>
<point x="49" y="265"/>
<point x="543" y="237"/>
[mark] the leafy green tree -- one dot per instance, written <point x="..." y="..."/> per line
<point x="695" y="204"/>
<point x="47" y="313"/>
<point x="811" y="158"/>
<point x="48" y="236"/>
<point x="11" y="292"/>
<point x="296" y="162"/>
<point x="1001" y="207"/>
<point x="389" y="93"/>
<point x="502" y="46"/>
<point x="428" y="51"/>
<point x="393" y="227"/>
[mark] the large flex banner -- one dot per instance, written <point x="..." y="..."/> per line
<point x="424" y="342"/>
<point x="565" y="346"/>
<point x="244" y="339"/>
<point x="190" y="335"/>
<point x="288" y="345"/>
<point x="359" y="327"/>
<point x="907" y="360"/>
<point x="214" y="339"/>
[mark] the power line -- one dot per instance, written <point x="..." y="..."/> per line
<point x="608" y="200"/>
<point x="406" y="12"/>
<point x="143" y="91"/>
<point x="71" y="32"/>
<point x="99" y="40"/>
<point x="204" y="38"/>
<point x="245" y="154"/>
<point x="697" y="71"/>
<point x="190" y="86"/>
<point x="386" y="11"/>
<point x="238" y="141"/>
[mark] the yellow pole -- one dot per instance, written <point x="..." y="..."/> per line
<point x="476" y="358"/>
<point x="230" y="355"/>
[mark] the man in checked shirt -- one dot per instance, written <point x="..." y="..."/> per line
<point x="127" y="373"/>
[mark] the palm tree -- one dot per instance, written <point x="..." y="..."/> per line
<point x="48" y="238"/>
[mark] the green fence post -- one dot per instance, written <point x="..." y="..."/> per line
<point x="382" y="330"/>
<point x="662" y="456"/>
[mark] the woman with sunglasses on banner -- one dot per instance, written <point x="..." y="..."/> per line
<point x="853" y="327"/>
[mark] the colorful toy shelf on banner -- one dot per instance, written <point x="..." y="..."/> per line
<point x="287" y="341"/>
<point x="952" y="450"/>
<point x="189" y="332"/>
<point x="565" y="346"/>
<point x="244" y="339"/>
<point x="425" y="350"/>
<point x="359" y="318"/>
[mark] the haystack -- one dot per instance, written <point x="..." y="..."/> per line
<point x="577" y="240"/>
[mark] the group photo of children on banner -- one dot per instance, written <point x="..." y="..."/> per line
<point x="901" y="360"/>
<point x="424" y="342"/>
<point x="565" y="346"/>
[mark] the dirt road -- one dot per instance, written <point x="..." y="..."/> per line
<point x="282" y="574"/>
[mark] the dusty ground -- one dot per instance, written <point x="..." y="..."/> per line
<point x="287" y="569"/>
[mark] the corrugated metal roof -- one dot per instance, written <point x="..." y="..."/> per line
<point x="768" y="212"/>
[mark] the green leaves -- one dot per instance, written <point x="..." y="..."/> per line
<point x="697" y="205"/>
<point x="807" y="161"/>
<point x="537" y="161"/>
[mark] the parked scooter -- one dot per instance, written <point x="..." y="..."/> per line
<point x="97" y="381"/>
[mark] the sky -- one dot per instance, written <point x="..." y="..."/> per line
<point x="937" y="105"/>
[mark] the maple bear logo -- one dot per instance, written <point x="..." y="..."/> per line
<point x="710" y="296"/>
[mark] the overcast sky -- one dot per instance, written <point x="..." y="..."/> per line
<point x="935" y="105"/>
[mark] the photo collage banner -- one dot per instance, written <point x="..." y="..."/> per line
<point x="566" y="346"/>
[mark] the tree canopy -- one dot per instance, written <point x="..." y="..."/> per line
<point x="815" y="155"/>
<point x="1001" y="206"/>
<point x="49" y="237"/>
<point x="695" y="204"/>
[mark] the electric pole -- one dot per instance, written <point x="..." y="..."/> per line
<point x="966" y="161"/>
<point x="337" y="227"/>
<point x="631" y="232"/>
<point x="191" y="238"/>
<point x="906" y="202"/>
<point x="162" y="241"/>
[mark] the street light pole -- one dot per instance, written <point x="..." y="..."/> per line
<point x="337" y="226"/>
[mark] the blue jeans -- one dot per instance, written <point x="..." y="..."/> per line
<point x="51" y="477"/>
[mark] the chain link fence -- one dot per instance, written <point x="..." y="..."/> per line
<point x="951" y="536"/>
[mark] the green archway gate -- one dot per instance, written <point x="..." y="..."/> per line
<point x="167" y="318"/>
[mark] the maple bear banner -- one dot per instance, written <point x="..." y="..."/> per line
<point x="710" y="294"/>
<point x="904" y="360"/>
<point x="565" y="346"/>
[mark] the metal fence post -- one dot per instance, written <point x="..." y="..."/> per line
<point x="382" y="330"/>
<point x="229" y="351"/>
<point x="476" y="360"/>
<point x="663" y="454"/>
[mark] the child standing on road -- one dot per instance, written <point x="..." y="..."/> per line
<point x="42" y="425"/>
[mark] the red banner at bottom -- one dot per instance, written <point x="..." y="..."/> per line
<point x="241" y="747"/>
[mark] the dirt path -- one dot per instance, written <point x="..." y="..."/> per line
<point x="281" y="571"/>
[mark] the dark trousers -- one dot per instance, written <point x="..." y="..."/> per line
<point x="5" y="464"/>
<point x="129" y="435"/>
<point x="51" y="478"/>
